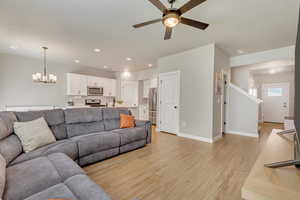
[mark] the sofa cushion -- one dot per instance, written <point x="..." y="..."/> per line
<point x="67" y="147"/>
<point x="59" y="191"/>
<point x="2" y="175"/>
<point x="85" y="189"/>
<point x="96" y="157"/>
<point x="7" y="120"/>
<point x="83" y="115"/>
<point x="10" y="148"/>
<point x="96" y="142"/>
<point x="54" y="118"/>
<point x="83" y="121"/>
<point x="111" y="117"/>
<point x="132" y="146"/>
<point x="64" y="165"/>
<point x="129" y="135"/>
<point x="84" y="128"/>
<point x="33" y="176"/>
<point x="30" y="177"/>
<point x="34" y="134"/>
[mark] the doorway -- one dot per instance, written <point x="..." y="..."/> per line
<point x="224" y="101"/>
<point x="275" y="98"/>
<point x="169" y="91"/>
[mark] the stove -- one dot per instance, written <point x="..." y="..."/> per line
<point x="93" y="103"/>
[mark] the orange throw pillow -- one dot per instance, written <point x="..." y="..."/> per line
<point x="126" y="121"/>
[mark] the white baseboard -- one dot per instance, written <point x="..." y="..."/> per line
<point x="243" y="133"/>
<point x="218" y="137"/>
<point x="194" y="137"/>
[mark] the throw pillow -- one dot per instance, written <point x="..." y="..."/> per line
<point x="2" y="175"/>
<point x="34" y="134"/>
<point x="7" y="120"/>
<point x="127" y="121"/>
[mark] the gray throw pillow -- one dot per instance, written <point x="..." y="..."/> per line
<point x="2" y="175"/>
<point x="34" y="134"/>
<point x="7" y="120"/>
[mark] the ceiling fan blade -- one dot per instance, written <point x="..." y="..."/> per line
<point x="190" y="5"/>
<point x="194" y="23"/>
<point x="168" y="33"/>
<point x="159" y="5"/>
<point x="147" y="23"/>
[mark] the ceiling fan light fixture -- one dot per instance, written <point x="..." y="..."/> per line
<point x="171" y="20"/>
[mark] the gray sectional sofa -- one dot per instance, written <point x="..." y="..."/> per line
<point x="84" y="136"/>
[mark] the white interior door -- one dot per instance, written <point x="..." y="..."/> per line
<point x="169" y="87"/>
<point x="275" y="102"/>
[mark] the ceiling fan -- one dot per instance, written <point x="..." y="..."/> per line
<point x="172" y="16"/>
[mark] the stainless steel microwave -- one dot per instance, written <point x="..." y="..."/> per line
<point x="95" y="91"/>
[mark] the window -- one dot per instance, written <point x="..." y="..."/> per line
<point x="274" y="92"/>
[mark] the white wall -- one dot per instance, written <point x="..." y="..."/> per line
<point x="17" y="88"/>
<point x="240" y="76"/>
<point x="284" y="53"/>
<point x="242" y="113"/>
<point x="288" y="77"/>
<point x="221" y="65"/>
<point x="197" y="67"/>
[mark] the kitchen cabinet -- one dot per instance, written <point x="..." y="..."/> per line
<point x="95" y="81"/>
<point x="129" y="92"/>
<point x="110" y="87"/>
<point x="153" y="83"/>
<point x="147" y="84"/>
<point x="76" y="84"/>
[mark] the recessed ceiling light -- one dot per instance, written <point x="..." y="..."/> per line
<point x="150" y="65"/>
<point x="97" y="50"/>
<point x="105" y="67"/>
<point x="240" y="51"/>
<point x="128" y="59"/>
<point x="77" y="61"/>
<point x="272" y="71"/>
<point x="14" y="47"/>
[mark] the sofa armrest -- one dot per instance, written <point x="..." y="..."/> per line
<point x="148" y="127"/>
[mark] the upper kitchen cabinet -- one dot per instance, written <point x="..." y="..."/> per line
<point x="129" y="93"/>
<point x="76" y="84"/>
<point x="96" y="81"/>
<point x="110" y="87"/>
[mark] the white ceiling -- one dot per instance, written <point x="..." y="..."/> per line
<point x="73" y="28"/>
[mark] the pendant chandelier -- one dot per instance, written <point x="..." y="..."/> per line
<point x="44" y="77"/>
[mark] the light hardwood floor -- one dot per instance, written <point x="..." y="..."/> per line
<point x="175" y="168"/>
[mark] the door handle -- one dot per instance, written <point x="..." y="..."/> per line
<point x="175" y="107"/>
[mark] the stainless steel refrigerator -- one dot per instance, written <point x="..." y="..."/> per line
<point x="153" y="105"/>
